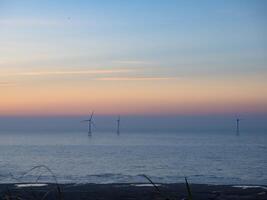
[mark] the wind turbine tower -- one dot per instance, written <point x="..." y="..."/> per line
<point x="90" y="122"/>
<point x="118" y="125"/>
<point x="237" y="126"/>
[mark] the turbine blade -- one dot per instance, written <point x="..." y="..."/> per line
<point x="92" y="115"/>
<point x="84" y="121"/>
<point x="93" y="124"/>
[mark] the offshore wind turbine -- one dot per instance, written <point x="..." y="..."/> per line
<point x="237" y="126"/>
<point x="118" y="125"/>
<point x="90" y="122"/>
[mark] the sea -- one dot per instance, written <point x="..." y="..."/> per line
<point x="105" y="157"/>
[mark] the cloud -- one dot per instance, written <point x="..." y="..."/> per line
<point x="132" y="62"/>
<point x="74" y="72"/>
<point x="44" y="22"/>
<point x="5" y="84"/>
<point x="135" y="78"/>
<point x="28" y="22"/>
<point x="97" y="75"/>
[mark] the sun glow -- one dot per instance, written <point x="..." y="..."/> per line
<point x="51" y="96"/>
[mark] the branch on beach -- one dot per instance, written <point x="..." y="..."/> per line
<point x="156" y="187"/>
<point x="188" y="189"/>
<point x="59" y="193"/>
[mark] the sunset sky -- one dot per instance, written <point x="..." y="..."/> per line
<point x="137" y="57"/>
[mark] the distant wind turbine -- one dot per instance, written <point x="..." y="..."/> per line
<point x="90" y="122"/>
<point x="118" y="125"/>
<point x="237" y="126"/>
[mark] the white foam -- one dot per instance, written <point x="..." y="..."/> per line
<point x="249" y="186"/>
<point x="145" y="185"/>
<point x="31" y="185"/>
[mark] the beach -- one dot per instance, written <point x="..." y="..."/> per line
<point x="130" y="191"/>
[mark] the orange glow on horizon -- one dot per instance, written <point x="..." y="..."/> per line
<point x="172" y="96"/>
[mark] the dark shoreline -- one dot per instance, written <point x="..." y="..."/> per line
<point x="132" y="191"/>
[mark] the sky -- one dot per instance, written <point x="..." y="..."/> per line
<point x="141" y="57"/>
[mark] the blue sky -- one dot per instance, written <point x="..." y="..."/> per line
<point x="132" y="57"/>
<point x="183" y="36"/>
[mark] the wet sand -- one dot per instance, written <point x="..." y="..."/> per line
<point x="129" y="192"/>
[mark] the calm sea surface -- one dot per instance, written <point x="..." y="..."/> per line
<point x="216" y="158"/>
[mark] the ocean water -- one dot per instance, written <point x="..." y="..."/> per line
<point x="212" y="158"/>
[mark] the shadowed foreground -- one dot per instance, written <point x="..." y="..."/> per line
<point x="129" y="191"/>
